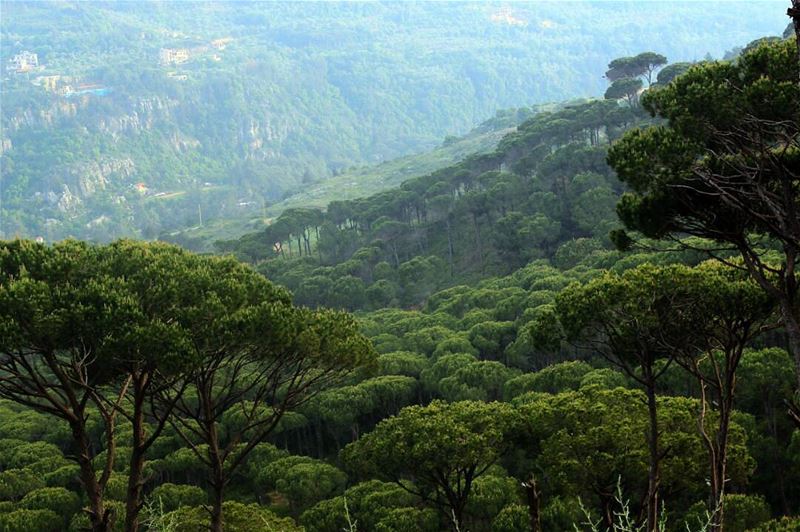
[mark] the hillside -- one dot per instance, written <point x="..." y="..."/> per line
<point x="544" y="192"/>
<point x="358" y="182"/>
<point x="221" y="107"/>
<point x="582" y="316"/>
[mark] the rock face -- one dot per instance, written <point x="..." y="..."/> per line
<point x="81" y="181"/>
<point x="65" y="200"/>
<point x="182" y="143"/>
<point x="106" y="144"/>
<point x="94" y="175"/>
<point x="263" y="138"/>
<point x="142" y="115"/>
<point x="44" y="117"/>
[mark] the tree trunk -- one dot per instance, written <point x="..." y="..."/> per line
<point x="135" y="480"/>
<point x="606" y="503"/>
<point x="655" y="458"/>
<point x="717" y="450"/>
<point x="135" y="484"/>
<point x="215" y="457"/>
<point x="457" y="516"/>
<point x="532" y="494"/>
<point x="791" y="322"/>
<point x="720" y="471"/>
<point x="217" y="482"/>
<point x="218" y="489"/>
<point x="449" y="245"/>
<point x="99" y="518"/>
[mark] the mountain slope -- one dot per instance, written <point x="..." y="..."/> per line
<point x="214" y="105"/>
<point x="356" y="182"/>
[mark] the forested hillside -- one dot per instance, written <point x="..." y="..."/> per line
<point x="145" y="117"/>
<point x="592" y="324"/>
<point x="357" y="182"/>
<point x="545" y="192"/>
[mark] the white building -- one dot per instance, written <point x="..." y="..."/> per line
<point x="173" y="56"/>
<point x="23" y="62"/>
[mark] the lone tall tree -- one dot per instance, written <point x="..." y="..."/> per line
<point x="643" y="65"/>
<point x="57" y="319"/>
<point x="726" y="167"/>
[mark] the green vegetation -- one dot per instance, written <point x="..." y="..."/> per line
<point x="545" y="192"/>
<point x="158" y="337"/>
<point x="517" y="358"/>
<point x="259" y="101"/>
<point x="356" y="182"/>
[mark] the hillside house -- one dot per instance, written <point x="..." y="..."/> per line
<point x="173" y="56"/>
<point x="23" y="62"/>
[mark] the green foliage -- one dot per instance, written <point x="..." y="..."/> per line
<point x="62" y="476"/>
<point x="442" y="448"/>
<point x="536" y="210"/>
<point x="409" y="520"/>
<point x="491" y="338"/>
<point x="742" y="513"/>
<point x="16" y="483"/>
<point x="444" y="366"/>
<point x="369" y="504"/>
<point x="642" y="65"/>
<point x="304" y="481"/>
<point x="238" y="518"/>
<point x="454" y="345"/>
<point x="492" y="493"/>
<point x="584" y="441"/>
<point x="512" y="518"/>
<point x="402" y="363"/>
<point x="693" y="175"/>
<point x="461" y="221"/>
<point x="784" y="524"/>
<point x="670" y="72"/>
<point x="294" y="103"/>
<point x="552" y="379"/>
<point x="656" y="158"/>
<point x="60" y="500"/>
<point x="561" y="513"/>
<point x="482" y="380"/>
<point x="627" y="88"/>
<point x="172" y="496"/>
<point x="25" y="520"/>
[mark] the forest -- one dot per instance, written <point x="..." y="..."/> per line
<point x="593" y="326"/>
<point x="273" y="98"/>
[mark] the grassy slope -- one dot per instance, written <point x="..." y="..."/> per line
<point x="353" y="183"/>
<point x="364" y="181"/>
